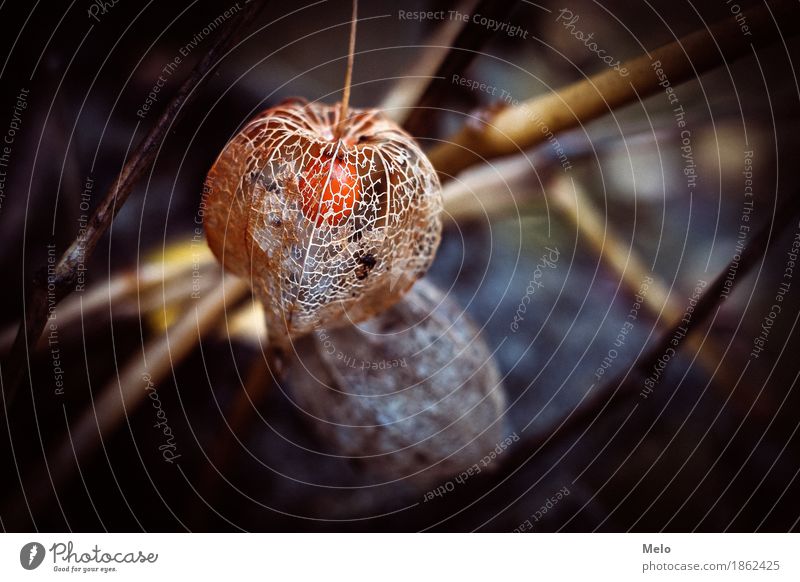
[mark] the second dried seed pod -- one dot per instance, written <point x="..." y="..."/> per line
<point x="412" y="394"/>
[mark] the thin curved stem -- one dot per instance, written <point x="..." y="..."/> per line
<point x="348" y="75"/>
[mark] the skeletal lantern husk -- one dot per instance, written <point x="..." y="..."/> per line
<point x="328" y="230"/>
<point x="412" y="394"/>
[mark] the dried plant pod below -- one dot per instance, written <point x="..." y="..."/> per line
<point x="412" y="394"/>
<point x="329" y="229"/>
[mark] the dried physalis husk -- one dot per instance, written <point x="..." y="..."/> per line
<point x="329" y="229"/>
<point x="412" y="394"/>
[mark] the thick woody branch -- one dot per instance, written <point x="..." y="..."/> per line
<point x="63" y="277"/>
<point x="518" y="127"/>
<point x="624" y="261"/>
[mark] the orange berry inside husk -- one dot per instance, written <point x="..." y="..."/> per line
<point x="330" y="189"/>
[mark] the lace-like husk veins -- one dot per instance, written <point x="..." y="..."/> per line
<point x="376" y="231"/>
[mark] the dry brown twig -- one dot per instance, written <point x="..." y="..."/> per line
<point x="157" y="282"/>
<point x="629" y="382"/>
<point x="129" y="388"/>
<point x="516" y="128"/>
<point x="503" y="186"/>
<point x="161" y="352"/>
<point x="64" y="275"/>
<point x="241" y="413"/>
<point x="574" y="204"/>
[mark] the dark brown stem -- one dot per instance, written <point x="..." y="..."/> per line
<point x="63" y="277"/>
<point x="125" y="391"/>
<point x="239" y="418"/>
<point x="464" y="49"/>
<point x="628" y="384"/>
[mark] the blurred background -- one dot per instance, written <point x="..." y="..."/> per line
<point x="713" y="447"/>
